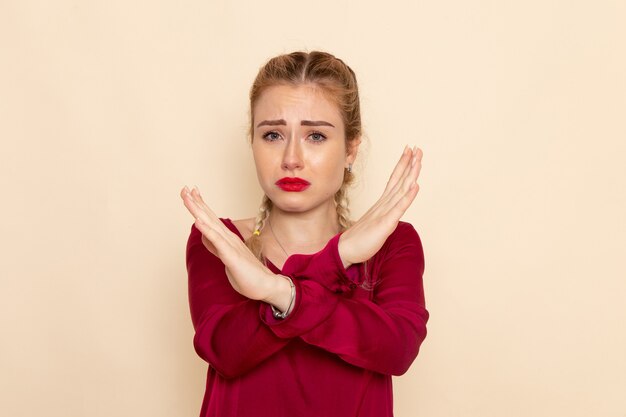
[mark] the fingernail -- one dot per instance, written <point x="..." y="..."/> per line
<point x="186" y="189"/>
<point x="414" y="161"/>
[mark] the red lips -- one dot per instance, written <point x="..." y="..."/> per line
<point x="293" y="184"/>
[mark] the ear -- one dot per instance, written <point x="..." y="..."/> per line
<point x="353" y="148"/>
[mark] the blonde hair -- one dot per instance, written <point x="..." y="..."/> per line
<point x="338" y="82"/>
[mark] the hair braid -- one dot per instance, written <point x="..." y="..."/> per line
<point x="342" y="203"/>
<point x="254" y="241"/>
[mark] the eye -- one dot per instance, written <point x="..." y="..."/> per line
<point x="271" y="136"/>
<point x="317" y="137"/>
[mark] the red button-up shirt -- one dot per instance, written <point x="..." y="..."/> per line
<point x="350" y="330"/>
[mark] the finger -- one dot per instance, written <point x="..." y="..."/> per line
<point x="403" y="187"/>
<point x="410" y="174"/>
<point x="416" y="166"/>
<point x="200" y="210"/>
<point x="397" y="211"/>
<point x="392" y="186"/>
<point x="417" y="160"/>
<point x="390" y="195"/>
<point x="213" y="236"/>
<point x="195" y="194"/>
<point x="393" y="212"/>
<point x="227" y="235"/>
<point x="203" y="221"/>
<point x="210" y="246"/>
<point x="196" y="211"/>
<point x="217" y="223"/>
<point x="399" y="169"/>
<point x="185" y="193"/>
<point x="393" y="203"/>
<point x="409" y="181"/>
<point x="419" y="153"/>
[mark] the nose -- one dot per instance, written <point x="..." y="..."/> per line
<point x="292" y="156"/>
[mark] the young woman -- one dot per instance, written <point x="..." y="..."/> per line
<point x="301" y="312"/>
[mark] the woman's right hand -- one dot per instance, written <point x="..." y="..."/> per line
<point x="367" y="235"/>
<point x="246" y="274"/>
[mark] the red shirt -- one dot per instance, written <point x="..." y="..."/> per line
<point x="335" y="352"/>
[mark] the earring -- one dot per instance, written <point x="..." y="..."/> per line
<point x="350" y="168"/>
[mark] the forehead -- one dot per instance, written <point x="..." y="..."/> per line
<point x="302" y="102"/>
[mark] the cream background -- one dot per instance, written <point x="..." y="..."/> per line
<point x="108" y="108"/>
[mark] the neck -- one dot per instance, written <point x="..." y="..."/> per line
<point x="298" y="231"/>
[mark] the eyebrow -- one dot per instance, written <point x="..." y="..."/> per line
<point x="302" y="123"/>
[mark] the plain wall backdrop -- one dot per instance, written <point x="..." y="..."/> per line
<point x="107" y="108"/>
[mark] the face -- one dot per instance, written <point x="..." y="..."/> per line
<point x="299" y="147"/>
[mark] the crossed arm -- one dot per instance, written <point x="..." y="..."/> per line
<point x="230" y="289"/>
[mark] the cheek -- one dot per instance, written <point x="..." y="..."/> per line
<point x="330" y="162"/>
<point x="331" y="169"/>
<point x="261" y="163"/>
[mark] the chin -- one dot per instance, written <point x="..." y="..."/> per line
<point x="291" y="204"/>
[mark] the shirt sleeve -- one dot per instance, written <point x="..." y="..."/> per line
<point x="229" y="334"/>
<point x="382" y="333"/>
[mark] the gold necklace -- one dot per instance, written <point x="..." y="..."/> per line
<point x="275" y="238"/>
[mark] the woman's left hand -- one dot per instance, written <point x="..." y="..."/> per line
<point x="368" y="234"/>
<point x="247" y="275"/>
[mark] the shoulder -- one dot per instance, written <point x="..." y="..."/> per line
<point x="403" y="238"/>
<point x="404" y="231"/>
<point x="242" y="227"/>
<point x="401" y="253"/>
<point x="245" y="227"/>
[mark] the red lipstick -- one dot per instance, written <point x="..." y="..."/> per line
<point x="293" y="184"/>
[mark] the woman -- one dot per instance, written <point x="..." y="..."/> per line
<point x="299" y="311"/>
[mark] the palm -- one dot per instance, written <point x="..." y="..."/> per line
<point x="365" y="237"/>
<point x="246" y="273"/>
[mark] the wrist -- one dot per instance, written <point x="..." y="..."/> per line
<point x="280" y="293"/>
<point x="278" y="314"/>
